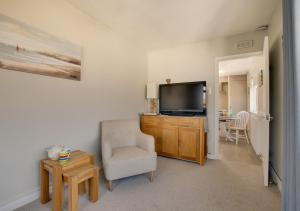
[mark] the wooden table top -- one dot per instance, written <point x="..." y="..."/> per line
<point x="77" y="158"/>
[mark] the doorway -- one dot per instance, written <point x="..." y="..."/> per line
<point x="237" y="99"/>
<point x="242" y="123"/>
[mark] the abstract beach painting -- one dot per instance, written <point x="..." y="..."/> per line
<point x="27" y="49"/>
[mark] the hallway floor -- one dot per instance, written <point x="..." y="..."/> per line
<point x="241" y="152"/>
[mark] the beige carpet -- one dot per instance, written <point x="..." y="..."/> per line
<point x="233" y="183"/>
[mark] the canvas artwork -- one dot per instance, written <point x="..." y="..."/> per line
<point x="27" y="49"/>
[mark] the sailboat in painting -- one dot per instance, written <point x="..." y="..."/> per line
<point x="26" y="49"/>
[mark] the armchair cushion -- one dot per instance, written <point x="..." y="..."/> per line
<point x="128" y="161"/>
<point x="106" y="150"/>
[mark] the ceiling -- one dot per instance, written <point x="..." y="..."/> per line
<point x="236" y="66"/>
<point x="167" y="23"/>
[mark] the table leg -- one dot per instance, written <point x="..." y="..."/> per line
<point x="94" y="186"/>
<point x="73" y="194"/>
<point x="82" y="188"/>
<point x="44" y="184"/>
<point x="228" y="135"/>
<point x="57" y="190"/>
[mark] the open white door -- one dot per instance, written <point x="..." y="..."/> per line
<point x="260" y="120"/>
<point x="264" y="120"/>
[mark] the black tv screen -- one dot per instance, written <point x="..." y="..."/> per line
<point x="182" y="98"/>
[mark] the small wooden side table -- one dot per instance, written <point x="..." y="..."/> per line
<point x="74" y="177"/>
<point x="77" y="159"/>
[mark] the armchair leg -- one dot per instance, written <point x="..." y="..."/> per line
<point x="151" y="176"/>
<point x="110" y="187"/>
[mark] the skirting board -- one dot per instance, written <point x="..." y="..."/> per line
<point x="275" y="178"/>
<point x="212" y="156"/>
<point x="34" y="195"/>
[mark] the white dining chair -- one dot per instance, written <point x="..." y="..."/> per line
<point x="239" y="126"/>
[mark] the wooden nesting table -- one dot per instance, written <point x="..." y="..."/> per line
<point x="77" y="159"/>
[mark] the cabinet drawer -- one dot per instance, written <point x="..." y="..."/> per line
<point x="188" y="122"/>
<point x="169" y="122"/>
<point x="150" y="120"/>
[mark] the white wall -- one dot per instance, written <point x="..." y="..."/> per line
<point x="223" y="97"/>
<point x="276" y="90"/>
<point x="237" y="86"/>
<point x="37" y="111"/>
<point x="195" y="62"/>
<point x="223" y="93"/>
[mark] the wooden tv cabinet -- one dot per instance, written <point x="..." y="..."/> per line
<point x="177" y="137"/>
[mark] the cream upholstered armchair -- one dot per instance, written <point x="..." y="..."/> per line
<point x="126" y="151"/>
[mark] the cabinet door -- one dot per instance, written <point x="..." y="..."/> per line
<point x="169" y="141"/>
<point x="189" y="143"/>
<point x="153" y="131"/>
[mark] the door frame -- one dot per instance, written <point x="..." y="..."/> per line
<point x="217" y="61"/>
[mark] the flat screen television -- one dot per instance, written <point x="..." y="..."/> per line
<point x="183" y="98"/>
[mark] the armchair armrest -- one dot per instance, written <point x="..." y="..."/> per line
<point x="106" y="150"/>
<point x="146" y="142"/>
